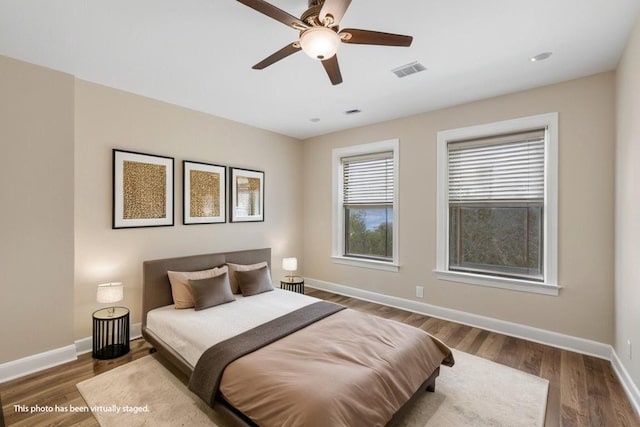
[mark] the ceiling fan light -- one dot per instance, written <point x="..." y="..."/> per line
<point x="320" y="42"/>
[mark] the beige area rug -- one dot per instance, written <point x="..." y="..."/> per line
<point x="475" y="392"/>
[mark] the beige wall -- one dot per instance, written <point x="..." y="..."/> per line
<point x="586" y="220"/>
<point x="107" y="119"/>
<point x="36" y="209"/>
<point x="627" y="270"/>
<point x="52" y="125"/>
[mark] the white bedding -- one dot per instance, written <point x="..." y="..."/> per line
<point x="191" y="332"/>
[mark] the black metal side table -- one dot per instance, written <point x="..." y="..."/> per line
<point x="110" y="332"/>
<point x="293" y="283"/>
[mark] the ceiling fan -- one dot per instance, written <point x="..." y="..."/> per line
<point x="320" y="35"/>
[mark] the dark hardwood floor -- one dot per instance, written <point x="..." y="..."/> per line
<point x="583" y="390"/>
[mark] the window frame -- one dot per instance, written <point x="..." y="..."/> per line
<point x="338" y="216"/>
<point x="549" y="284"/>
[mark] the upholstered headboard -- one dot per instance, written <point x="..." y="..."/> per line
<point x="156" y="289"/>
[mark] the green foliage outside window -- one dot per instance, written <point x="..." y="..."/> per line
<point x="369" y="232"/>
<point x="505" y="240"/>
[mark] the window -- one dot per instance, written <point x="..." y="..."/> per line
<point x="497" y="204"/>
<point x="365" y="205"/>
<point x="367" y="200"/>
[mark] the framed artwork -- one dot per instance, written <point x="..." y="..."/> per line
<point x="142" y="190"/>
<point x="247" y="195"/>
<point x="204" y="199"/>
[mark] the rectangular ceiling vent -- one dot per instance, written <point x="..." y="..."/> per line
<point x="408" y="69"/>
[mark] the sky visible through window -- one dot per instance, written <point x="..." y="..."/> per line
<point x="373" y="218"/>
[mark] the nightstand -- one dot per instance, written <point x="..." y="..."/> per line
<point x="110" y="333"/>
<point x="293" y="283"/>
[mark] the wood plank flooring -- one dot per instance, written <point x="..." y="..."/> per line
<point x="583" y="390"/>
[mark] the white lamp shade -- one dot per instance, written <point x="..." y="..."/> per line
<point x="109" y="293"/>
<point x="290" y="264"/>
<point x="320" y="42"/>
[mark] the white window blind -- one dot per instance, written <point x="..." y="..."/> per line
<point x="506" y="167"/>
<point x="368" y="179"/>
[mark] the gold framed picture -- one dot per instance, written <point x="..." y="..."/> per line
<point x="142" y="190"/>
<point x="247" y="195"/>
<point x="204" y="199"/>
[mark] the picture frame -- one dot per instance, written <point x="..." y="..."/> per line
<point x="143" y="190"/>
<point x="246" y="190"/>
<point x="204" y="193"/>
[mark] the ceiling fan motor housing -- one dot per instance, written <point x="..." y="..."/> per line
<point x="320" y="35"/>
<point x="310" y="16"/>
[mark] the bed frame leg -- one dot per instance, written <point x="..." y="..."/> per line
<point x="430" y="383"/>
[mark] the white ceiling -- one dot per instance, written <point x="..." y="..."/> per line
<point x="199" y="53"/>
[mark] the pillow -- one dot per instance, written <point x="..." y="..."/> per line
<point x="211" y="292"/>
<point x="254" y="282"/>
<point x="233" y="268"/>
<point x="180" y="288"/>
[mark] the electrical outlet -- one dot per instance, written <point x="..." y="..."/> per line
<point x="420" y="291"/>
<point x="629" y="354"/>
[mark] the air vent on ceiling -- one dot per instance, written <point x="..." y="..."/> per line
<point x="408" y="69"/>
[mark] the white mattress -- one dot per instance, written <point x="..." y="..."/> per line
<point x="191" y="332"/>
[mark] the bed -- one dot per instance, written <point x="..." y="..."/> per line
<point x="335" y="365"/>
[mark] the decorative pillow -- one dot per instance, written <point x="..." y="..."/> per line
<point x="180" y="288"/>
<point x="254" y="282"/>
<point x="233" y="268"/>
<point x="211" y="292"/>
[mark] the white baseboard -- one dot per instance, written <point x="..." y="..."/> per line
<point x="37" y="362"/>
<point x="554" y="339"/>
<point x="85" y="345"/>
<point x="627" y="383"/>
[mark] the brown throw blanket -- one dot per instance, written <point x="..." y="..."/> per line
<point x="205" y="380"/>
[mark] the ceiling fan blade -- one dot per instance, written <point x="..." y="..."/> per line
<point x="333" y="70"/>
<point x="275" y="13"/>
<point x="355" y="36"/>
<point x="289" y="49"/>
<point x="335" y="8"/>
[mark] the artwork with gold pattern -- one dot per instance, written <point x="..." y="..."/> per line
<point x="205" y="194"/>
<point x="204" y="197"/>
<point x="142" y="190"/>
<point x="248" y="195"/>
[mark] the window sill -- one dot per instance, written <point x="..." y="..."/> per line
<point x="499" y="282"/>
<point x="366" y="263"/>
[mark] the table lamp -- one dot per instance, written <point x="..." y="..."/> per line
<point x="290" y="264"/>
<point x="110" y="293"/>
